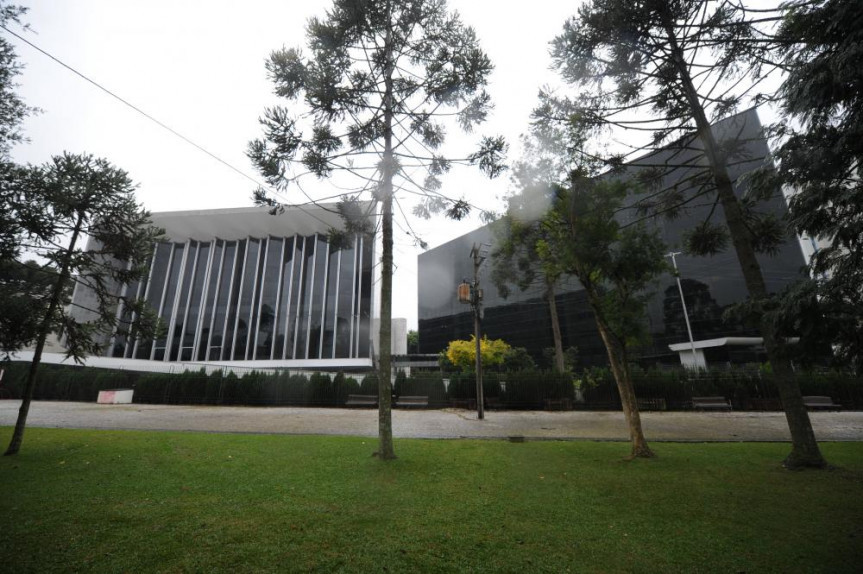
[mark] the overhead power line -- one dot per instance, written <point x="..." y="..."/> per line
<point x="161" y="124"/>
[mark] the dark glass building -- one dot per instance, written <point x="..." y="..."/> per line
<point x="710" y="284"/>
<point x="240" y="285"/>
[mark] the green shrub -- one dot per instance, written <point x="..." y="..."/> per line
<point x="296" y="389"/>
<point x="319" y="392"/>
<point x="517" y="359"/>
<point x="342" y="387"/>
<point x="213" y="388"/>
<point x="369" y="385"/>
<point x="399" y="383"/>
<point x="524" y="389"/>
<point x="230" y="391"/>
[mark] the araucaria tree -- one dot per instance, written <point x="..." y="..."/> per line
<point x="820" y="44"/>
<point x="659" y="71"/>
<point x="13" y="110"/>
<point x="61" y="204"/>
<point x="516" y="262"/>
<point x="615" y="265"/>
<point x="369" y="109"/>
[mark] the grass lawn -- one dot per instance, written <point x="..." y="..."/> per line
<point x="113" y="501"/>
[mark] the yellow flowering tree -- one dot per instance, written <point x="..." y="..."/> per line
<point x="462" y="353"/>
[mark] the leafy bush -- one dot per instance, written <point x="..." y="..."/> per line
<point x="320" y="390"/>
<point x="462" y="354"/>
<point x="517" y="359"/>
<point x="399" y="383"/>
<point x="369" y="386"/>
<point x="296" y="391"/>
<point x="342" y="387"/>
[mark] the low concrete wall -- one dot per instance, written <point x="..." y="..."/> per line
<point x="115" y="397"/>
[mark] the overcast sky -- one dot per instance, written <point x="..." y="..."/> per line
<point x="198" y="67"/>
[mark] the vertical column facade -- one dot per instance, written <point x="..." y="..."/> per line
<point x="253" y="299"/>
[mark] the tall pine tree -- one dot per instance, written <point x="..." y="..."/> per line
<point x="64" y="202"/>
<point x="660" y="71"/>
<point x="369" y="108"/>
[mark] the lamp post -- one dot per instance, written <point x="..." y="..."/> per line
<point x="673" y="254"/>
<point x="471" y="293"/>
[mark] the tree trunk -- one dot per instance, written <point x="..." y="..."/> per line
<point x="385" y="415"/>
<point x="559" y="362"/>
<point x="44" y="331"/>
<point x="804" y="449"/>
<point x="618" y="359"/>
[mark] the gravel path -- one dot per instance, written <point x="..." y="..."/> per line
<point x="446" y="423"/>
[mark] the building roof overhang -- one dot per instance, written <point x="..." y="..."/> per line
<point x="242" y="222"/>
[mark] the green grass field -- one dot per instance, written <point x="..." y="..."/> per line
<point x="100" y="501"/>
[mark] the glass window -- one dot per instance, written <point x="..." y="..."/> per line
<point x="187" y="340"/>
<point x="233" y="299"/>
<point x="365" y="301"/>
<point x="317" y="295"/>
<point x="183" y="300"/>
<point x="133" y="295"/>
<point x="220" y="313"/>
<point x="345" y="311"/>
<point x="269" y="293"/>
<point x="155" y="287"/>
<point x="247" y="294"/>
<point x="209" y="304"/>
<point x="282" y="320"/>
<point x="303" y="300"/>
<point x="118" y="347"/>
<point x="171" y="283"/>
<point x="256" y="300"/>
<point x="289" y="292"/>
<point x="327" y="351"/>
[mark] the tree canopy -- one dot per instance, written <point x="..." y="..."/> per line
<point x="820" y="138"/>
<point x="656" y="73"/>
<point x="13" y="110"/>
<point x="63" y="202"/>
<point x="616" y="265"/>
<point x="370" y="107"/>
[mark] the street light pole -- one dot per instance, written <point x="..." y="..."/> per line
<point x="673" y="254"/>
<point x="476" y="302"/>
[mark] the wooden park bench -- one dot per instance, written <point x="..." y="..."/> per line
<point x="711" y="403"/>
<point x="652" y="404"/>
<point x="412" y="402"/>
<point x="362" y="401"/>
<point x="817" y="402"/>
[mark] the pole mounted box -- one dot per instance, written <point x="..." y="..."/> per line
<point x="464" y="293"/>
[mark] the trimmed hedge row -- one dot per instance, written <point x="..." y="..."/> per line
<point x="746" y="388"/>
<point x="65" y="383"/>
<point x="516" y="390"/>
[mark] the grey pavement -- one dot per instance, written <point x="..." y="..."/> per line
<point x="446" y="423"/>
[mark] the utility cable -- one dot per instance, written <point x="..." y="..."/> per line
<point x="161" y="124"/>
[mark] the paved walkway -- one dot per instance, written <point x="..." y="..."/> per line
<point x="446" y="423"/>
